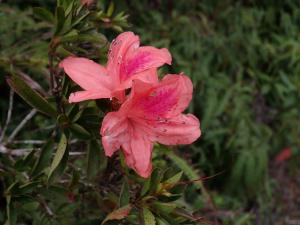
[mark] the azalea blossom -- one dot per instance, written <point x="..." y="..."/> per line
<point x="152" y="113"/>
<point x="126" y="61"/>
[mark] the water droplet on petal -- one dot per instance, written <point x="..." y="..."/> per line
<point x="119" y="59"/>
<point x="136" y="46"/>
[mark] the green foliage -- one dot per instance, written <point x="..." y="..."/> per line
<point x="33" y="98"/>
<point x="243" y="59"/>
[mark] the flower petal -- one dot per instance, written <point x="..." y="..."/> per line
<point x="142" y="59"/>
<point x="163" y="100"/>
<point x="114" y="132"/>
<point x="86" y="73"/>
<point x="118" y="131"/>
<point x="183" y="129"/>
<point x="147" y="76"/>
<point x="117" y="53"/>
<point x="80" y="96"/>
<point x="138" y="152"/>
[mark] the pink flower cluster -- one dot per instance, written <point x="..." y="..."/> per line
<point x="152" y="112"/>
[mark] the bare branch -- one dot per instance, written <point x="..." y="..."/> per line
<point x="29" y="142"/>
<point x="9" y="112"/>
<point x="21" y="125"/>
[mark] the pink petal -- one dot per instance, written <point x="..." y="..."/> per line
<point x="142" y="59"/>
<point x="164" y="100"/>
<point x="117" y="53"/>
<point x="119" y="131"/>
<point x="183" y="129"/>
<point x="184" y="92"/>
<point x="88" y="95"/>
<point x="138" y="152"/>
<point x="86" y="73"/>
<point x="147" y="76"/>
<point x="114" y="132"/>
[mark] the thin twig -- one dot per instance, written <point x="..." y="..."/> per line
<point x="55" y="81"/>
<point x="21" y="125"/>
<point x="25" y="151"/>
<point x="29" y="142"/>
<point x="45" y="206"/>
<point x="9" y="112"/>
<point x="16" y="152"/>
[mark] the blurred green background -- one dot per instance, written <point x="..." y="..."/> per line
<point x="244" y="60"/>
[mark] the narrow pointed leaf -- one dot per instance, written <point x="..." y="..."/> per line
<point x="60" y="19"/>
<point x="171" y="182"/>
<point x="161" y="221"/>
<point x="124" y="195"/>
<point x="149" y="218"/>
<point x="96" y="160"/>
<point x="44" y="158"/>
<point x="79" y="131"/>
<point x="59" y="155"/>
<point x="43" y="14"/>
<point x="118" y="214"/>
<point x="30" y="96"/>
<point x="164" y="207"/>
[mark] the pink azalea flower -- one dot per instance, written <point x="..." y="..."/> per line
<point x="126" y="61"/>
<point x="152" y="113"/>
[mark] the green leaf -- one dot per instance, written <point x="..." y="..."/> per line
<point x="10" y="211"/>
<point x="188" y="171"/>
<point x="146" y="187"/>
<point x="75" y="179"/>
<point x="24" y="163"/>
<point x="13" y="188"/>
<point x="171" y="182"/>
<point x="161" y="221"/>
<point x="163" y="207"/>
<point x="118" y="214"/>
<point x="43" y="14"/>
<point x="59" y="19"/>
<point x="32" y="97"/>
<point x="28" y="187"/>
<point x="251" y="173"/>
<point x="185" y="214"/>
<point x="76" y="22"/>
<point x="44" y="158"/>
<point x="110" y="10"/>
<point x="149" y="218"/>
<point x="125" y="194"/>
<point x="93" y="37"/>
<point x="96" y="160"/>
<point x="59" y="155"/>
<point x="155" y="180"/>
<point x="70" y="36"/>
<point x="79" y="131"/>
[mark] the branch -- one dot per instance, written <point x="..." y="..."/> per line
<point x="9" y="112"/>
<point x="21" y="125"/>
